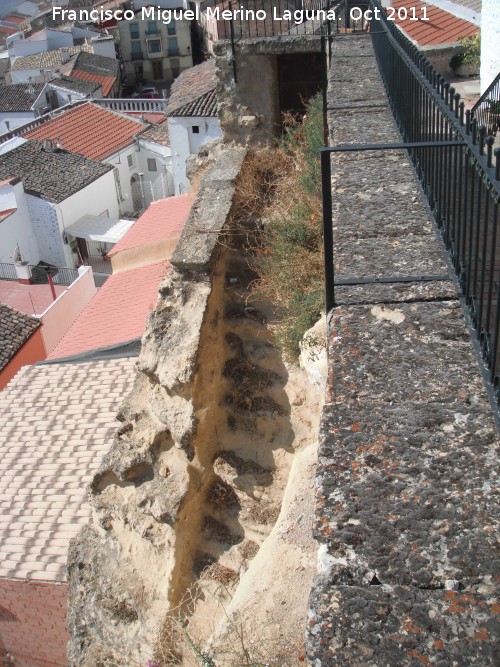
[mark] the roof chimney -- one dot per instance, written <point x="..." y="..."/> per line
<point x="64" y="55"/>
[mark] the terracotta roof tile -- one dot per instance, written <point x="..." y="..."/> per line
<point x="194" y="92"/>
<point x="89" y="130"/>
<point x="157" y="132"/>
<point x="441" y="28"/>
<point x="106" y="82"/>
<point x="43" y="492"/>
<point x="117" y="313"/>
<point x="163" y="219"/>
<point x="15" y="330"/>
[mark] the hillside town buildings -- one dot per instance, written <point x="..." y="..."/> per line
<point x="98" y="124"/>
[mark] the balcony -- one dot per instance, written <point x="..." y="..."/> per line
<point x="172" y="53"/>
<point x="137" y="56"/>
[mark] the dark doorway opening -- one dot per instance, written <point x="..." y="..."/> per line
<point x="299" y="79"/>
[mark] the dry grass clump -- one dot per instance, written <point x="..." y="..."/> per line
<point x="279" y="207"/>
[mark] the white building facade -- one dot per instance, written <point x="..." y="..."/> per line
<point x="187" y="135"/>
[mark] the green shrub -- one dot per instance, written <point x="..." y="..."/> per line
<point x="470" y="54"/>
<point x="289" y="259"/>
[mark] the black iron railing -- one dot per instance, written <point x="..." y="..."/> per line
<point x="460" y="175"/>
<point x="265" y="18"/>
<point x="486" y="111"/>
<point x="60" y="276"/>
<point x="7" y="271"/>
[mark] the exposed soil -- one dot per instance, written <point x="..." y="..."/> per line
<point x="244" y="577"/>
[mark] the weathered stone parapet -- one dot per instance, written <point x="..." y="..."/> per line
<point x="200" y="237"/>
<point x="406" y="511"/>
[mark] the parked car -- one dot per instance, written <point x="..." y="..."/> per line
<point x="147" y="92"/>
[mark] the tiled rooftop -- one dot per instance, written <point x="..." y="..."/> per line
<point x="106" y="82"/>
<point x="441" y="28"/>
<point x="19" y="96"/>
<point x="46" y="58"/>
<point x="52" y="175"/>
<point x="56" y="423"/>
<point x="193" y="93"/>
<point x="116" y="314"/>
<point x="157" y="132"/>
<point x="163" y="219"/>
<point x="96" y="69"/>
<point x="89" y="130"/>
<point x="16" y="329"/>
<point x="29" y="299"/>
<point x="96" y="64"/>
<point x="75" y="84"/>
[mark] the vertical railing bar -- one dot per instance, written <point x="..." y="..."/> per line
<point x="492" y="270"/>
<point x="483" y="261"/>
<point x="494" y="342"/>
<point x="477" y="235"/>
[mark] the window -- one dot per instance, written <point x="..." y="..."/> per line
<point x="136" y="51"/>
<point x="152" y="28"/>
<point x="151" y="164"/>
<point x="171" y="28"/>
<point x="134" y="31"/>
<point x="157" y="69"/>
<point x="130" y="160"/>
<point x="154" y="46"/>
<point x="173" y="49"/>
<point x="196" y="129"/>
<point x="175" y="67"/>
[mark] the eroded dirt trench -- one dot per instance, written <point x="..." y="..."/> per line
<point x="245" y="557"/>
<point x="200" y="551"/>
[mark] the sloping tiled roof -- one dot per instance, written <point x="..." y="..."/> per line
<point x="19" y="96"/>
<point x="56" y="423"/>
<point x="53" y="176"/>
<point x="441" y="28"/>
<point x="89" y="130"/>
<point x="46" y="58"/>
<point x="15" y="329"/>
<point x="75" y="84"/>
<point x="116" y="314"/>
<point x="206" y="105"/>
<point x="96" y="69"/>
<point x="95" y="64"/>
<point x="193" y="93"/>
<point x="106" y="82"/>
<point x="163" y="219"/>
<point x="157" y="132"/>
